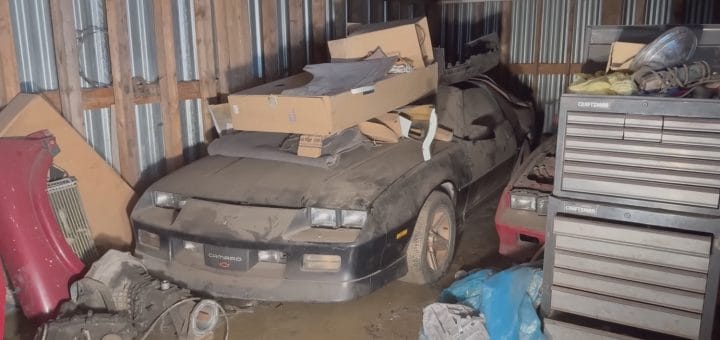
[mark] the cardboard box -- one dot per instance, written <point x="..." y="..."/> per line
<point x="406" y="38"/>
<point x="105" y="195"/>
<point x="263" y="108"/>
<point x="621" y="55"/>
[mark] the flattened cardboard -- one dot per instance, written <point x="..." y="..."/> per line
<point x="621" y="55"/>
<point x="378" y="132"/>
<point x="408" y="39"/>
<point x="263" y="108"/>
<point x="105" y="195"/>
<point x="387" y="128"/>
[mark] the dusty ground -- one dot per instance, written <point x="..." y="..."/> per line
<point x="393" y="312"/>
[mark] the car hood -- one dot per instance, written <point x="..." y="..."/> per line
<point x="358" y="178"/>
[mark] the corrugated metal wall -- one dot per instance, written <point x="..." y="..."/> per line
<point x="522" y="36"/>
<point x="458" y="23"/>
<point x="37" y="72"/>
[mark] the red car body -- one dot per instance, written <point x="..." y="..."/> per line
<point x="39" y="262"/>
<point x="521" y="231"/>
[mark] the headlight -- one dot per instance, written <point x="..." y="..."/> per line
<point x="168" y="200"/>
<point x="523" y="200"/>
<point x="323" y="217"/>
<point x="542" y="205"/>
<point x="353" y="218"/>
<point x="320" y="217"/>
<point x="148" y="239"/>
<point x="272" y="256"/>
<point x="321" y="263"/>
<point x="192" y="246"/>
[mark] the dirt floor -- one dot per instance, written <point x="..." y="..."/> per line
<point x="392" y="312"/>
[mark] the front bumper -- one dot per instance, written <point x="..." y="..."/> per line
<point x="362" y="268"/>
<point x="231" y="285"/>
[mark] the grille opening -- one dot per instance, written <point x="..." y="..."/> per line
<point x="528" y="239"/>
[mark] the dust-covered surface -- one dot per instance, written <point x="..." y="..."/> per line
<point x="392" y="312"/>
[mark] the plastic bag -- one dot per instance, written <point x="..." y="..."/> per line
<point x="452" y="322"/>
<point x="616" y="83"/>
<point x="507" y="300"/>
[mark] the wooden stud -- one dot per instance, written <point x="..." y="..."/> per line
<point x="319" y="42"/>
<point x="167" y="75"/>
<point x="270" y="37"/>
<point x="505" y="32"/>
<point x="232" y="27"/>
<point x="536" y="44"/>
<point x="677" y="12"/>
<point x="298" y="57"/>
<point x="640" y="12"/>
<point x="339" y="19"/>
<point x="8" y="63"/>
<point x="206" y="63"/>
<point x="67" y="64"/>
<point x="220" y="9"/>
<point x="572" y="12"/>
<point x="124" y="108"/>
<point x="611" y="12"/>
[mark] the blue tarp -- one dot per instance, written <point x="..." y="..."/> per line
<point x="508" y="301"/>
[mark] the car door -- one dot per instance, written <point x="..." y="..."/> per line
<point x="490" y="141"/>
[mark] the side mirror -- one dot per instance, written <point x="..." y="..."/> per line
<point x="478" y="132"/>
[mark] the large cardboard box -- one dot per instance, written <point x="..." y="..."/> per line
<point x="405" y="38"/>
<point x="263" y="108"/>
<point x="105" y="195"/>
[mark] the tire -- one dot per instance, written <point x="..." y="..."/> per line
<point x="435" y="221"/>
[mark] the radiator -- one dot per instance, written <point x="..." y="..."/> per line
<point x="69" y="212"/>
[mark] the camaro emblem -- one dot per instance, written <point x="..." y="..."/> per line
<point x="224" y="257"/>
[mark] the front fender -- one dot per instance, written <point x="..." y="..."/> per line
<point x="396" y="209"/>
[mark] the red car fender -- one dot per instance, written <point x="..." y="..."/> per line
<point x="2" y="299"/>
<point x="39" y="262"/>
<point x="508" y="234"/>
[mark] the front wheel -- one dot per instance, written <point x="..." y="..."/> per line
<point x="432" y="244"/>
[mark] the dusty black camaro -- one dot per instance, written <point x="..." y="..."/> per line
<point x="263" y="229"/>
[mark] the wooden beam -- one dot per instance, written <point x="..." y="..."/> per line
<point x="206" y="62"/>
<point x="298" y="56"/>
<point x="167" y="75"/>
<point x="319" y="41"/>
<point x="103" y="97"/>
<point x="544" y="68"/>
<point x="271" y="58"/>
<point x="67" y="64"/>
<point x="124" y="108"/>
<point x="505" y="32"/>
<point x="8" y="63"/>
